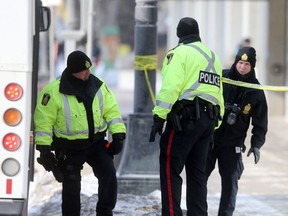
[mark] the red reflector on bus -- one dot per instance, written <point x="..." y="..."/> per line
<point x="9" y="186"/>
<point x="11" y="142"/>
<point x="12" y="117"/>
<point x="13" y="91"/>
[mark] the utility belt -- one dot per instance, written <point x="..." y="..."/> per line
<point x="78" y="144"/>
<point x="186" y="109"/>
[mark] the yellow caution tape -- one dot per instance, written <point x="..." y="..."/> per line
<point x="254" y="86"/>
<point x="149" y="62"/>
<point x="142" y="61"/>
<point x="145" y="63"/>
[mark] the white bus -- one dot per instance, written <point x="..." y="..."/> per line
<point x="20" y="24"/>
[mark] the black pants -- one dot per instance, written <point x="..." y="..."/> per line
<point x="230" y="168"/>
<point x="186" y="148"/>
<point x="103" y="168"/>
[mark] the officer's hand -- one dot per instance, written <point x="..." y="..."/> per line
<point x="47" y="159"/>
<point x="256" y="152"/>
<point x="58" y="173"/>
<point x="116" y="146"/>
<point x="157" y="127"/>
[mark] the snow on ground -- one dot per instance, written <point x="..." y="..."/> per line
<point x="45" y="200"/>
<point x="45" y="197"/>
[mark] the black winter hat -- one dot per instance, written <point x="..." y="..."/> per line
<point x="187" y="26"/>
<point x="78" y="61"/>
<point x="246" y="54"/>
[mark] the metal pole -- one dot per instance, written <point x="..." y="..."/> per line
<point x="286" y="63"/>
<point x="89" y="45"/>
<point x="145" y="45"/>
<point x="138" y="171"/>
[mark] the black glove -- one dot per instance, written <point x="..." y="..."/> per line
<point x="256" y="152"/>
<point x="47" y="159"/>
<point x="49" y="162"/>
<point x="116" y="146"/>
<point x="157" y="127"/>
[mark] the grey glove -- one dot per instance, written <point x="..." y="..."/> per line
<point x="256" y="152"/>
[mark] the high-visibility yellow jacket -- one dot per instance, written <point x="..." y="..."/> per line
<point x="65" y="117"/>
<point x="189" y="70"/>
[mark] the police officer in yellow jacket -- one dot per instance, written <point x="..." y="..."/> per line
<point x="71" y="118"/>
<point x="191" y="102"/>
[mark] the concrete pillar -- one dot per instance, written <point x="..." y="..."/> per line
<point x="276" y="62"/>
<point x="286" y="63"/>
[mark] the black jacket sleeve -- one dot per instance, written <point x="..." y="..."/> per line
<point x="259" y="121"/>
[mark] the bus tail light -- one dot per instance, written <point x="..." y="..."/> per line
<point x="10" y="167"/>
<point x="11" y="142"/>
<point x="12" y="117"/>
<point x="13" y="91"/>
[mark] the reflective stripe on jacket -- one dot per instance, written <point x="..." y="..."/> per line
<point x="64" y="116"/>
<point x="189" y="70"/>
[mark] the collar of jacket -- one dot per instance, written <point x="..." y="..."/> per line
<point x="70" y="85"/>
<point x="189" y="39"/>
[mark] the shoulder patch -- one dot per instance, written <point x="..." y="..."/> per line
<point x="169" y="57"/>
<point x="45" y="99"/>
